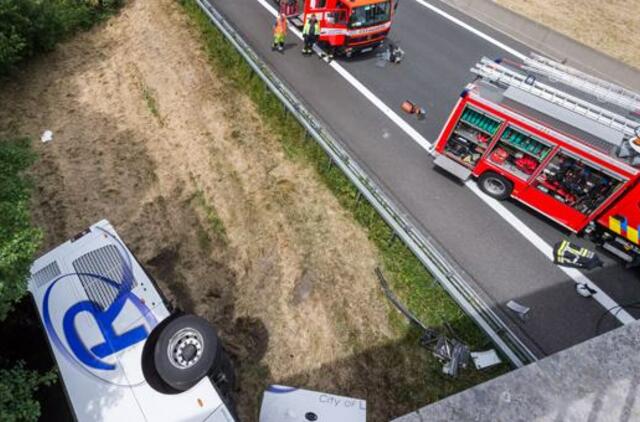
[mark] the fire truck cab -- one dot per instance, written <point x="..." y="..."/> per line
<point x="351" y="26"/>
<point x="573" y="161"/>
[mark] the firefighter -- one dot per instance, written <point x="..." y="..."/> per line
<point x="279" y="32"/>
<point x="571" y="255"/>
<point x="310" y="33"/>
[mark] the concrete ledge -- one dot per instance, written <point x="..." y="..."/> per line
<point x="594" y="381"/>
<point x="549" y="42"/>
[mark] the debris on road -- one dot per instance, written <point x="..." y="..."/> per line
<point x="521" y="310"/>
<point x="411" y="108"/>
<point x="393" y="54"/>
<point x="47" y="136"/>
<point x="396" y="54"/>
<point x="584" y="290"/>
<point x="485" y="359"/>
<point x="571" y="255"/>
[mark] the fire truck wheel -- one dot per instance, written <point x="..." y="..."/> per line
<point x="495" y="186"/>
<point x="187" y="349"/>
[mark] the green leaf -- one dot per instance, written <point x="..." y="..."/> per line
<point x="17" y="385"/>
<point x="19" y="241"/>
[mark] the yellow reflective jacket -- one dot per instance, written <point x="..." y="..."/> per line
<point x="307" y="28"/>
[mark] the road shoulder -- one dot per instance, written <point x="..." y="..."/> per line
<point x="547" y="41"/>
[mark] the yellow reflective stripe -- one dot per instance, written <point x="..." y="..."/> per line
<point x="615" y="225"/>
<point x="632" y="234"/>
<point x="563" y="247"/>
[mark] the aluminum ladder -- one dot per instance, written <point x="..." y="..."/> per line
<point x="604" y="91"/>
<point x="500" y="74"/>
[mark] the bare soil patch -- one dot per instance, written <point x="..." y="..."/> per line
<point x="149" y="138"/>
<point x="612" y="26"/>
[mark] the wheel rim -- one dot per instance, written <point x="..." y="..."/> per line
<point x="185" y="348"/>
<point x="495" y="186"/>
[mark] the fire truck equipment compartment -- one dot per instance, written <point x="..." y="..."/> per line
<point x="561" y="160"/>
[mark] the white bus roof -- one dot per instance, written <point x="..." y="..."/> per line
<point x="98" y="307"/>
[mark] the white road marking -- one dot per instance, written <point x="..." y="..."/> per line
<point x="547" y="250"/>
<point x="578" y="277"/>
<point x="473" y="30"/>
<point x="407" y="128"/>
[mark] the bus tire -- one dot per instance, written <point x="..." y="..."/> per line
<point x="496" y="186"/>
<point x="187" y="349"/>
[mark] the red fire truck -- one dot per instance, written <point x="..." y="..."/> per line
<point x="349" y="26"/>
<point x="574" y="161"/>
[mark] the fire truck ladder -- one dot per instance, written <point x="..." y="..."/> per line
<point x="500" y="74"/>
<point x="604" y="91"/>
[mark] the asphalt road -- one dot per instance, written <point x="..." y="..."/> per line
<point x="497" y="260"/>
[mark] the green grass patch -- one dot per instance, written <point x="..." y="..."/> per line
<point x="215" y="224"/>
<point x="412" y="283"/>
<point x="150" y="100"/>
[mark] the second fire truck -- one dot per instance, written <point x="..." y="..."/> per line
<point x="347" y="26"/>
<point x="572" y="160"/>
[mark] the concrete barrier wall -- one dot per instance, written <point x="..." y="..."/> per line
<point x="550" y="42"/>
<point x="594" y="381"/>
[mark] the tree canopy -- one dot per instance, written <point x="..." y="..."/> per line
<point x="29" y="27"/>
<point x="18" y="239"/>
<point x="17" y="385"/>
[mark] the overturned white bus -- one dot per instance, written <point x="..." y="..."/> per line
<point x="123" y="355"/>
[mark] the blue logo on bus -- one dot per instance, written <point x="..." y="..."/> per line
<point x="114" y="342"/>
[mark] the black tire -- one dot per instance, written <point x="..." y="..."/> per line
<point x="496" y="186"/>
<point x="187" y="349"/>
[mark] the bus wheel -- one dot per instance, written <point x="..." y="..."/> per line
<point x="187" y="349"/>
<point x="495" y="185"/>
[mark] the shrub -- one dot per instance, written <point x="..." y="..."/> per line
<point x="17" y="385"/>
<point x="18" y="239"/>
<point x="29" y="27"/>
<point x="18" y="243"/>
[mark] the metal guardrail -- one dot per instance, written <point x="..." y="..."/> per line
<point x="430" y="256"/>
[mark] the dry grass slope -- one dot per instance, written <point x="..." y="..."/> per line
<point x="611" y="26"/>
<point x="148" y="136"/>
